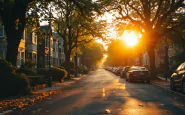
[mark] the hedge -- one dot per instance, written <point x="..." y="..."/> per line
<point x="12" y="84"/>
<point x="57" y="74"/>
<point x="36" y="80"/>
<point x="26" y="71"/>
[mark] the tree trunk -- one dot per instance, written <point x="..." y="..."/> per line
<point x="67" y="57"/>
<point x="151" y="54"/>
<point x="76" y="65"/>
<point x="12" y="49"/>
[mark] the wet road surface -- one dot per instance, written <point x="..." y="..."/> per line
<point x="103" y="90"/>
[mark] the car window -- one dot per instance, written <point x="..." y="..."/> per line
<point x="134" y="68"/>
<point x="143" y="69"/>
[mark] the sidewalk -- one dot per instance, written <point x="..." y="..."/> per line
<point x="21" y="103"/>
<point x="162" y="82"/>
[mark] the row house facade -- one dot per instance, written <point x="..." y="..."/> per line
<point x="21" y="48"/>
<point x="57" y="56"/>
<point x="36" y="48"/>
<point x="58" y="50"/>
<point x="161" y="51"/>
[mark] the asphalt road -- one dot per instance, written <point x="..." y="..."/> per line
<point x="103" y="90"/>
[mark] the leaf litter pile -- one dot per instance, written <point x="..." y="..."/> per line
<point x="23" y="102"/>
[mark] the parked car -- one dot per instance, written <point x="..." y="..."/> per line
<point x="115" y="70"/>
<point x="177" y="79"/>
<point x="138" y="73"/>
<point x="124" y="71"/>
<point x="118" y="71"/>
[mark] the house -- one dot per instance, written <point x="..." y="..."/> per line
<point x="43" y="47"/>
<point x="61" y="54"/>
<point x="55" y="49"/>
<point x="3" y="47"/>
<point x="31" y="44"/>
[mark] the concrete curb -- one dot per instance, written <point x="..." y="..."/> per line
<point x="168" y="89"/>
<point x="64" y="86"/>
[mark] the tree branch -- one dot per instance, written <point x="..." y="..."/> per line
<point x="169" y="12"/>
<point x="158" y="10"/>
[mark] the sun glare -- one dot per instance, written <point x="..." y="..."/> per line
<point x="130" y="38"/>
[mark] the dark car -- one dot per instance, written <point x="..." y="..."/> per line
<point x="118" y="71"/>
<point x="138" y="73"/>
<point x="177" y="79"/>
<point x="124" y="71"/>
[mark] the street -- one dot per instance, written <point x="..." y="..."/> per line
<point x="103" y="90"/>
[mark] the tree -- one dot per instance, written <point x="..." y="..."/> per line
<point x="92" y="54"/>
<point x="118" y="53"/>
<point x="14" y="16"/>
<point x="74" y="27"/>
<point x="153" y="19"/>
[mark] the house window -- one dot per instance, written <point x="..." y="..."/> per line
<point x="1" y="30"/>
<point x="30" y="56"/>
<point x="34" y="57"/>
<point x="34" y="38"/>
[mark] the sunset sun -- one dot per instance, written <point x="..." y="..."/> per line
<point x="130" y="38"/>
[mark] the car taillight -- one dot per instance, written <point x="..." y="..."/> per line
<point x="133" y="72"/>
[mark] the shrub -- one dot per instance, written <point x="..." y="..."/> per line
<point x="26" y="71"/>
<point x="72" y="71"/>
<point x="57" y="74"/>
<point x="61" y="67"/>
<point x="36" y="80"/>
<point x="6" y="69"/>
<point x="28" y="64"/>
<point x="69" y="65"/>
<point x="85" y="71"/>
<point x="43" y="71"/>
<point x="12" y="84"/>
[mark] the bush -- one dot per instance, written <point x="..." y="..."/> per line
<point x="68" y="66"/>
<point x="57" y="74"/>
<point x="61" y="67"/>
<point x="43" y="71"/>
<point x="36" y="80"/>
<point x="6" y="69"/>
<point x="28" y="64"/>
<point x="26" y="71"/>
<point x="72" y="71"/>
<point x="12" y="84"/>
<point x="83" y="70"/>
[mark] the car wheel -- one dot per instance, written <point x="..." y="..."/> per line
<point x="172" y="86"/>
<point x="183" y="87"/>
